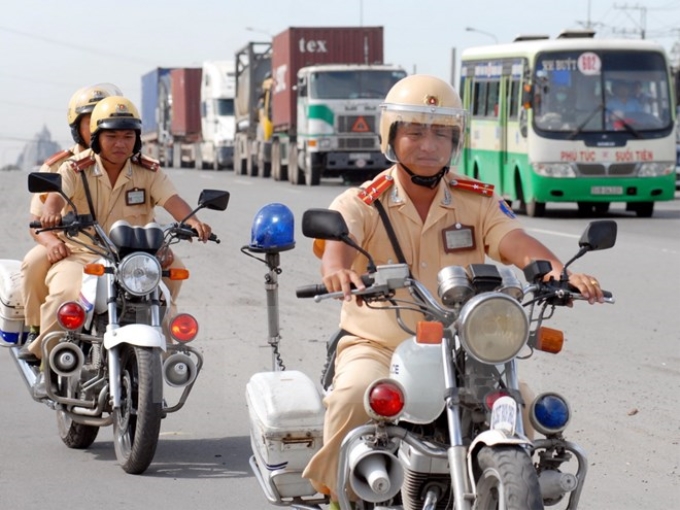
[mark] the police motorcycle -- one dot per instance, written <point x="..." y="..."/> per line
<point x="446" y="429"/>
<point x="109" y="364"/>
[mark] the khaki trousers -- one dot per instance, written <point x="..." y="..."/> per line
<point x="34" y="268"/>
<point x="63" y="281"/>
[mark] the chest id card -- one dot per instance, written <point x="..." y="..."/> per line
<point x="458" y="237"/>
<point x="135" y="196"/>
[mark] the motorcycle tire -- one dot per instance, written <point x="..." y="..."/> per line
<point x="137" y="423"/>
<point x="507" y="472"/>
<point x="74" y="435"/>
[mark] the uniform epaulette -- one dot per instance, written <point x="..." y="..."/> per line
<point x="472" y="185"/>
<point x="78" y="165"/>
<point x="146" y="162"/>
<point x="376" y="188"/>
<point x="57" y="156"/>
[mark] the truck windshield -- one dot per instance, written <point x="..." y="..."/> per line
<point x="225" y="107"/>
<point x="608" y="90"/>
<point x="356" y="84"/>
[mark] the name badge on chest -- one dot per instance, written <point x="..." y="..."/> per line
<point x="135" y="196"/>
<point x="458" y="237"/>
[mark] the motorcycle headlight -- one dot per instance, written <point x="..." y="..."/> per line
<point x="493" y="327"/>
<point x="139" y="273"/>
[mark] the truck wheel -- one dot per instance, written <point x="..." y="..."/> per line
<point x="251" y="166"/>
<point x="239" y="162"/>
<point x="295" y="175"/>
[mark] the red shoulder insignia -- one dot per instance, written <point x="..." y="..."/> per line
<point x="146" y="162"/>
<point x="58" y="156"/>
<point x="375" y="188"/>
<point x="78" y="165"/>
<point x="472" y="185"/>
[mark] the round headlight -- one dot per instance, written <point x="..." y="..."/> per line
<point x="493" y="327"/>
<point x="139" y="273"/>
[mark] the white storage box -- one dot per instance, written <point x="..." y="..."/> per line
<point x="286" y="428"/>
<point x="11" y="303"/>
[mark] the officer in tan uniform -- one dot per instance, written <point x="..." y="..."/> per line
<point x="124" y="186"/>
<point x="440" y="219"/>
<point x="50" y="247"/>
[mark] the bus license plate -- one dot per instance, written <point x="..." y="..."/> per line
<point x="606" y="190"/>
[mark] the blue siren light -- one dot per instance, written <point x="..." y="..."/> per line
<point x="550" y="413"/>
<point x="273" y="229"/>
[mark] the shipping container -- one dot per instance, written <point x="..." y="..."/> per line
<point x="185" y="121"/>
<point x="155" y="91"/>
<point x="299" y="47"/>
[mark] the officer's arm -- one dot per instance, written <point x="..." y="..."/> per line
<point x="336" y="265"/>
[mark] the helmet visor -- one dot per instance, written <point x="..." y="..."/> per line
<point x="429" y="116"/>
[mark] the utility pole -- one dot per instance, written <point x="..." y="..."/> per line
<point x="642" y="26"/>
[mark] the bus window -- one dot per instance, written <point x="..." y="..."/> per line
<point x="492" y="99"/>
<point x="479" y="99"/>
<point x="513" y="99"/>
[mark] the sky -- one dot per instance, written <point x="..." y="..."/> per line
<point x="49" y="49"/>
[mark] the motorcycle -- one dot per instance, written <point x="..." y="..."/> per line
<point x="446" y="428"/>
<point x="109" y="364"/>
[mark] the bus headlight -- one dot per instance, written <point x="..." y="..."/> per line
<point x="139" y="273"/>
<point x="559" y="170"/>
<point x="656" y="169"/>
<point x="493" y="327"/>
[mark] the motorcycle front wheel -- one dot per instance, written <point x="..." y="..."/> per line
<point x="137" y="423"/>
<point x="508" y="480"/>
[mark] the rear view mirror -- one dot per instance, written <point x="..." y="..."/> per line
<point x="214" y="199"/>
<point x="44" y="182"/>
<point x="599" y="235"/>
<point x="324" y="224"/>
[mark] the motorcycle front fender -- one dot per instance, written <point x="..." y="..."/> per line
<point x="141" y="335"/>
<point x="493" y="437"/>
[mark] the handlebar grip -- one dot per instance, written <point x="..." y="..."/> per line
<point x="607" y="294"/>
<point x="35" y="224"/>
<point x="214" y="238"/>
<point x="309" y="291"/>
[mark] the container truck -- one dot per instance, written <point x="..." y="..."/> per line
<point x="171" y="122"/>
<point x="187" y="115"/>
<point x="217" y="114"/>
<point x="314" y="112"/>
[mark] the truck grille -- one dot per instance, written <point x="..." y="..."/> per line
<point x="613" y="169"/>
<point x="363" y="142"/>
<point x="356" y="124"/>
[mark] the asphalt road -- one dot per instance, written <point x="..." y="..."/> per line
<point x="620" y="367"/>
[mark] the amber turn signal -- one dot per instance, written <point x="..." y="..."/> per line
<point x="176" y="273"/>
<point x="549" y="340"/>
<point x="94" y="269"/>
<point x="429" y="332"/>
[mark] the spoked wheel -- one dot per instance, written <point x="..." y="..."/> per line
<point x="74" y="435"/>
<point x="508" y="480"/>
<point x="137" y="423"/>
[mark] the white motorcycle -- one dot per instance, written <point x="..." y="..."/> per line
<point x="109" y="364"/>
<point x="446" y="430"/>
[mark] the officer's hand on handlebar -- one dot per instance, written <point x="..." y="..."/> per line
<point x="49" y="219"/>
<point x="587" y="285"/>
<point x="202" y="229"/>
<point x="341" y="281"/>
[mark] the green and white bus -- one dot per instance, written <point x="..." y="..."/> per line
<point x="572" y="119"/>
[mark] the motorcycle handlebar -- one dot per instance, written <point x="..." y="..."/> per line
<point x="310" y="291"/>
<point x="186" y="232"/>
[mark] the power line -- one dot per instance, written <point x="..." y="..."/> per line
<point x="76" y="46"/>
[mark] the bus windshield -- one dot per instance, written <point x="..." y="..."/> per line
<point x="601" y="91"/>
<point x="358" y="84"/>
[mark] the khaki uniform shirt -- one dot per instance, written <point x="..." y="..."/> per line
<point x="52" y="165"/>
<point x="133" y="197"/>
<point x="423" y="244"/>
